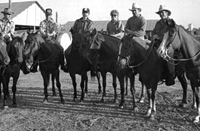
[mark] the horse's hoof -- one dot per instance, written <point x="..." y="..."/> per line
<point x="14" y="105"/>
<point x="182" y="105"/>
<point x="141" y="101"/>
<point x="45" y="102"/>
<point x="54" y="94"/>
<point x="102" y="100"/>
<point x="121" y="106"/>
<point x="196" y="120"/>
<point x="152" y="118"/>
<point x="99" y="92"/>
<point x="135" y="109"/>
<point x="75" y="99"/>
<point x="5" y="107"/>
<point x="194" y="107"/>
<point x="62" y="101"/>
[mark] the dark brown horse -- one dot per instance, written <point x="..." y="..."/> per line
<point x="48" y="56"/>
<point x="143" y="58"/>
<point x="103" y="54"/>
<point x="178" y="40"/>
<point x="78" y="63"/>
<point x="4" y="61"/>
<point x="15" y="52"/>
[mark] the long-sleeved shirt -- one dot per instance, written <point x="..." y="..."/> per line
<point x="160" y="29"/>
<point x="48" y="28"/>
<point x="83" y="26"/>
<point x="7" y="28"/>
<point x="115" y="27"/>
<point x="137" y="25"/>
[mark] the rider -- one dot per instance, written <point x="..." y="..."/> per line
<point x="160" y="29"/>
<point x="48" y="30"/>
<point x="136" y="25"/>
<point x="115" y="27"/>
<point x="7" y="26"/>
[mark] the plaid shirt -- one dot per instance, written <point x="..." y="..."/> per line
<point x="48" y="28"/>
<point x="7" y="28"/>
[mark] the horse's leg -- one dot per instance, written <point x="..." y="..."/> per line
<point x="197" y="94"/>
<point x="0" y="88"/>
<point x="194" y="103"/>
<point x="143" y="92"/>
<point x="183" y="82"/>
<point x="86" y="84"/>
<point x="14" y="87"/>
<point x="5" y="86"/>
<point x="151" y="90"/>
<point x="83" y="77"/>
<point x="73" y="77"/>
<point x="121" y="81"/>
<point x="133" y="91"/>
<point x="115" y="87"/>
<point x="57" y="75"/>
<point x="99" y="82"/>
<point x="126" y="80"/>
<point x="103" y="74"/>
<point x="53" y="85"/>
<point x="45" y="76"/>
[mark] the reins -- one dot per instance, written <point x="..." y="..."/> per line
<point x="180" y="60"/>
<point x="142" y="61"/>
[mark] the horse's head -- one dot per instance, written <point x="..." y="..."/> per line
<point x="125" y="50"/>
<point x="32" y="45"/>
<point x="96" y="39"/>
<point x="4" y="58"/>
<point x="16" y="47"/>
<point x="171" y="40"/>
<point x="78" y="41"/>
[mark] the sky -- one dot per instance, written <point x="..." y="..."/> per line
<point x="184" y="12"/>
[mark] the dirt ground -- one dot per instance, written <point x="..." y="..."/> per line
<point x="32" y="114"/>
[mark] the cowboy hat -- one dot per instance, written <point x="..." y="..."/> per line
<point x="163" y="8"/>
<point x="7" y="11"/>
<point x="135" y="6"/>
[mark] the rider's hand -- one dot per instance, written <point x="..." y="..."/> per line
<point x="155" y="37"/>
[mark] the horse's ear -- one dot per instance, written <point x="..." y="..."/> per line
<point x="23" y="36"/>
<point x="94" y="32"/>
<point x="101" y="38"/>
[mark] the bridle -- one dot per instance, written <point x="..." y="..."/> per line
<point x="169" y="58"/>
<point x="128" y="57"/>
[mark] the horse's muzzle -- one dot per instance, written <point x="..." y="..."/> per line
<point x="122" y="63"/>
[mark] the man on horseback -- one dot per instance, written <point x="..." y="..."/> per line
<point x="48" y="30"/>
<point x="136" y="25"/>
<point x="160" y="29"/>
<point x="115" y="27"/>
<point x="7" y="26"/>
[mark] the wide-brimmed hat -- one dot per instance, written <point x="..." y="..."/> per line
<point x="48" y="11"/>
<point x="163" y="8"/>
<point x="86" y="10"/>
<point x="7" y="11"/>
<point x="135" y="6"/>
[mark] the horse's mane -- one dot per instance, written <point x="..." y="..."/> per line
<point x="108" y="35"/>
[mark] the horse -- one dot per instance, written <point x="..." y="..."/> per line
<point x="103" y="54"/>
<point x="15" y="52"/>
<point x="48" y="54"/>
<point x="4" y="61"/>
<point x="177" y="40"/>
<point x="78" y="63"/>
<point x="142" y="56"/>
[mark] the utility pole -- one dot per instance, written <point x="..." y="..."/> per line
<point x="9" y="4"/>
